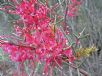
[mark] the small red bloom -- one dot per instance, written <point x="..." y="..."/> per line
<point x="68" y="53"/>
<point x="73" y="8"/>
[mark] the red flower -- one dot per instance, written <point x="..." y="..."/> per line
<point x="73" y="8"/>
<point x="31" y="13"/>
<point x="38" y="41"/>
<point x="68" y="53"/>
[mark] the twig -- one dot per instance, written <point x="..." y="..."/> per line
<point x="80" y="70"/>
<point x="10" y="43"/>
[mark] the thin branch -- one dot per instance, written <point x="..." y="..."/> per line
<point x="80" y="70"/>
<point x="10" y="43"/>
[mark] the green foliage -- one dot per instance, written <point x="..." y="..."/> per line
<point x="3" y="57"/>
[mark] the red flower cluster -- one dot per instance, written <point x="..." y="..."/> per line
<point x="17" y="53"/>
<point x="39" y="41"/>
<point x="73" y="7"/>
<point x="32" y="13"/>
